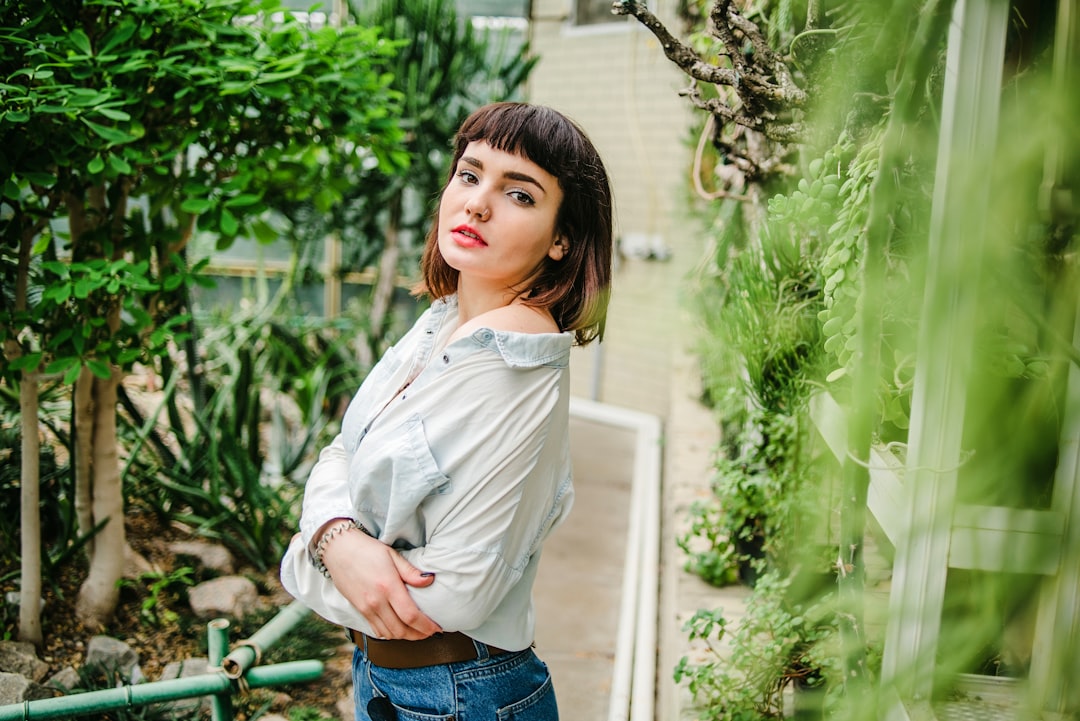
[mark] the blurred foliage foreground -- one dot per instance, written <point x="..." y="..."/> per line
<point x="891" y="294"/>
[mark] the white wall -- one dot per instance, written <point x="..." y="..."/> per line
<point x="614" y="80"/>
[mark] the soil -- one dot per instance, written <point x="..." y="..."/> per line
<point x="177" y="635"/>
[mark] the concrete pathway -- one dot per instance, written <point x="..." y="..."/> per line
<point x="578" y="589"/>
<point x="580" y="585"/>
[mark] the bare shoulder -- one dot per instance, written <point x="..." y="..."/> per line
<point x="519" y="318"/>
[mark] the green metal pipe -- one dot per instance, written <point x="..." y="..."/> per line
<point x="220" y="684"/>
<point x="217" y="633"/>
<point x="159" y="692"/>
<point x="248" y="653"/>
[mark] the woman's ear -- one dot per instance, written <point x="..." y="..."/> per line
<point x="559" y="248"/>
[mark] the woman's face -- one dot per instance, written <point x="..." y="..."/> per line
<point x="497" y="218"/>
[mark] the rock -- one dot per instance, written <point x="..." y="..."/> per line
<point x="11" y="598"/>
<point x="135" y="564"/>
<point x="185" y="669"/>
<point x="65" y="680"/>
<point x="16" y="688"/>
<point x="21" y="658"/>
<point x="234" y="596"/>
<point x="209" y="556"/>
<point x="113" y="656"/>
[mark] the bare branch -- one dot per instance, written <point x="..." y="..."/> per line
<point x="764" y="99"/>
<point x="674" y="49"/>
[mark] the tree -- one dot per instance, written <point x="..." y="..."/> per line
<point x="138" y="124"/>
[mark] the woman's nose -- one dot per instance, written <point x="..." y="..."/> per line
<point x="478" y="205"/>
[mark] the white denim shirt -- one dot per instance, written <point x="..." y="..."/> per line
<point x="465" y="471"/>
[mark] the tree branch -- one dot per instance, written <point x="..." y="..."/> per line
<point x="674" y="49"/>
<point x="767" y="94"/>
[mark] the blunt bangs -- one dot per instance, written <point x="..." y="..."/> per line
<point x="538" y="133"/>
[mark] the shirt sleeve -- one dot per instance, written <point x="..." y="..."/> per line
<point x="504" y="446"/>
<point x="326" y="494"/>
<point x="300" y="578"/>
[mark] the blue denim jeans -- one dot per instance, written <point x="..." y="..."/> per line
<point x="506" y="687"/>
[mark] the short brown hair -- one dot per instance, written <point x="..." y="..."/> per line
<point x="576" y="288"/>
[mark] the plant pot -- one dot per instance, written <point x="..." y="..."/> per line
<point x="749" y="552"/>
<point x="808" y="699"/>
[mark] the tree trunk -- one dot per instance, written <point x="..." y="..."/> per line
<point x="30" y="528"/>
<point x="100" y="594"/>
<point x="97" y="441"/>
<point x="382" y="295"/>
<point x="29" y="473"/>
<point x="83" y="424"/>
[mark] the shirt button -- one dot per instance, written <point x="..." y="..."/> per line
<point x="445" y="357"/>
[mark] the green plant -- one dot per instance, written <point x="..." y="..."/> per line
<point x="781" y="641"/>
<point x="231" y="467"/>
<point x="758" y="512"/>
<point x="162" y="590"/>
<point x="307" y="713"/>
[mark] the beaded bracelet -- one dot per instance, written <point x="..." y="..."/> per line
<point x="320" y="547"/>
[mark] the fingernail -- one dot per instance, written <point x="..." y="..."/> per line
<point x="427" y="574"/>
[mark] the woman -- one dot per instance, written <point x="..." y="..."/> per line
<point x="423" y="521"/>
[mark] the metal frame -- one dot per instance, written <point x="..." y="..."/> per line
<point x="232" y="673"/>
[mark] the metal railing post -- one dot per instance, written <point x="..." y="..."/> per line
<point x="217" y="632"/>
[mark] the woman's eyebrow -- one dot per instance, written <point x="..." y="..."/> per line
<point x="511" y="174"/>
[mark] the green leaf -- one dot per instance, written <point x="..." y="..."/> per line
<point x="30" y="362"/>
<point x="113" y="135"/>
<point x="99" y="368"/>
<point x="72" y="374"/>
<point x="120" y="165"/>
<point x="80" y="40"/>
<point x="242" y="200"/>
<point x="112" y="114"/>
<point x="264" y="232"/>
<point x="96" y="165"/>
<point x="60" y="365"/>
<point x="229" y="225"/>
<point x="196" y="205"/>
<point x="45" y="180"/>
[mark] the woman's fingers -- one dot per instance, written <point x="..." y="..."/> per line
<point x="373" y="577"/>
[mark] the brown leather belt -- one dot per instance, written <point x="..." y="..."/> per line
<point x="431" y="651"/>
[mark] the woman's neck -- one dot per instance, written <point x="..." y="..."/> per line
<point x="475" y="300"/>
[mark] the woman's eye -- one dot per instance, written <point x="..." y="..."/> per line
<point x="522" y="197"/>
<point x="467" y="176"/>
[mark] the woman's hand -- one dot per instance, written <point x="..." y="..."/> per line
<point x="373" y="577"/>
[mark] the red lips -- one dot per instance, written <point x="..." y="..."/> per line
<point x="468" y="236"/>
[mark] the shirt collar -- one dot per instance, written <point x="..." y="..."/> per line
<point x="518" y="350"/>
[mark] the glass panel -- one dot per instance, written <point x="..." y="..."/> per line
<point x="594" y="12"/>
